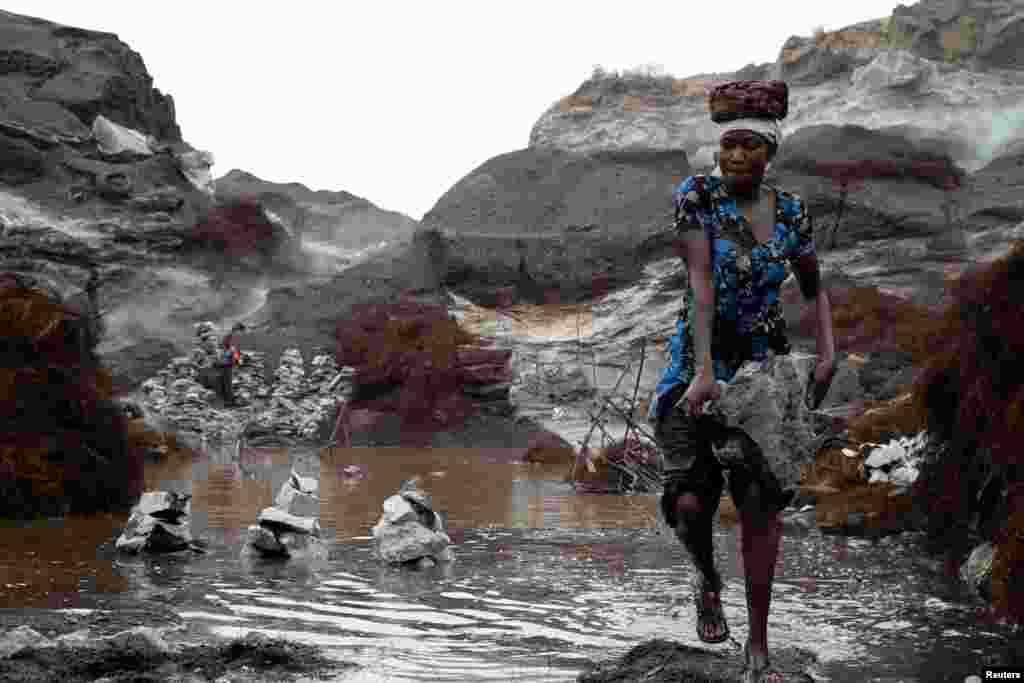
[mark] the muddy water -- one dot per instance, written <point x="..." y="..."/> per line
<point x="544" y="579"/>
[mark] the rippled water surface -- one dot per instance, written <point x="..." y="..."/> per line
<point x="544" y="580"/>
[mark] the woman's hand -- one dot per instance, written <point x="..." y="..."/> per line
<point x="701" y="390"/>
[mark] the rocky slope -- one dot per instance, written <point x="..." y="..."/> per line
<point x="337" y="218"/>
<point x="590" y="196"/>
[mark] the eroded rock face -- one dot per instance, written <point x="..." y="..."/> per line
<point x="71" y="67"/>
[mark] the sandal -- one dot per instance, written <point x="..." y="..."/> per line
<point x="709" y="615"/>
<point x="766" y="674"/>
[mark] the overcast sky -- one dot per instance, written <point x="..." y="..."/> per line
<point x="396" y="101"/>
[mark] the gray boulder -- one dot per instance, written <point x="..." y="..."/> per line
<point x="766" y="401"/>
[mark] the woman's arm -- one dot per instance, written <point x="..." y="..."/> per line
<point x="809" y="277"/>
<point x="695" y="249"/>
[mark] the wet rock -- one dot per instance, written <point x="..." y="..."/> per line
<point x="263" y="540"/>
<point x="159" y="523"/>
<point x="273" y="518"/>
<point x="409" y="529"/>
<point x="17" y="639"/>
<point x="976" y="571"/>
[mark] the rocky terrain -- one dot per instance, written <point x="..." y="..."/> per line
<point x="905" y="137"/>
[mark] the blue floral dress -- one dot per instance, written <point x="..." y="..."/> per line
<point x="747" y="276"/>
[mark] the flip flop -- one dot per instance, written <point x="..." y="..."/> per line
<point x="709" y="615"/>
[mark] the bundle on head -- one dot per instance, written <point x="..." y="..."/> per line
<point x="749" y="99"/>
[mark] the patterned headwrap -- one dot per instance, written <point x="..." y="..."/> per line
<point x="768" y="128"/>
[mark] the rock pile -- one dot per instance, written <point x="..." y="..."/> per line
<point x="290" y="528"/>
<point x="295" y="405"/>
<point x="159" y="524"/>
<point x="410" y="530"/>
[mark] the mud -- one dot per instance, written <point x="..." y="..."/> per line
<point x="252" y="658"/>
<point x="664" y="661"/>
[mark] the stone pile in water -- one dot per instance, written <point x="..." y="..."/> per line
<point x="159" y="524"/>
<point x="410" y="530"/>
<point x="295" y="405"/>
<point x="290" y="528"/>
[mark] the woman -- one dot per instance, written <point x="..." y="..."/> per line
<point x="737" y="236"/>
<point x="229" y="357"/>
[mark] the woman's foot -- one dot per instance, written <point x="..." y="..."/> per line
<point x="711" y="625"/>
<point x="757" y="668"/>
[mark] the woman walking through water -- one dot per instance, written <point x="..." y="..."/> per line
<point x="737" y="236"/>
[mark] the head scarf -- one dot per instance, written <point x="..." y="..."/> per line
<point x="768" y="128"/>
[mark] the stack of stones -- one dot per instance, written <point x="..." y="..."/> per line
<point x="410" y="531"/>
<point x="290" y="528"/>
<point x="159" y="524"/>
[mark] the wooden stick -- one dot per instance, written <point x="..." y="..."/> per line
<point x="631" y="421"/>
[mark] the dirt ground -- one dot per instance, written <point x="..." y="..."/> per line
<point x="664" y="661"/>
<point x="251" y="658"/>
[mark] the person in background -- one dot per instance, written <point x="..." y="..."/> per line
<point x="230" y="356"/>
<point x="739" y="239"/>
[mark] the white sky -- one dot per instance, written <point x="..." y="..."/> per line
<point x="397" y="101"/>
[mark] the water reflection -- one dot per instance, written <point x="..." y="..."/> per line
<point x="543" y="577"/>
